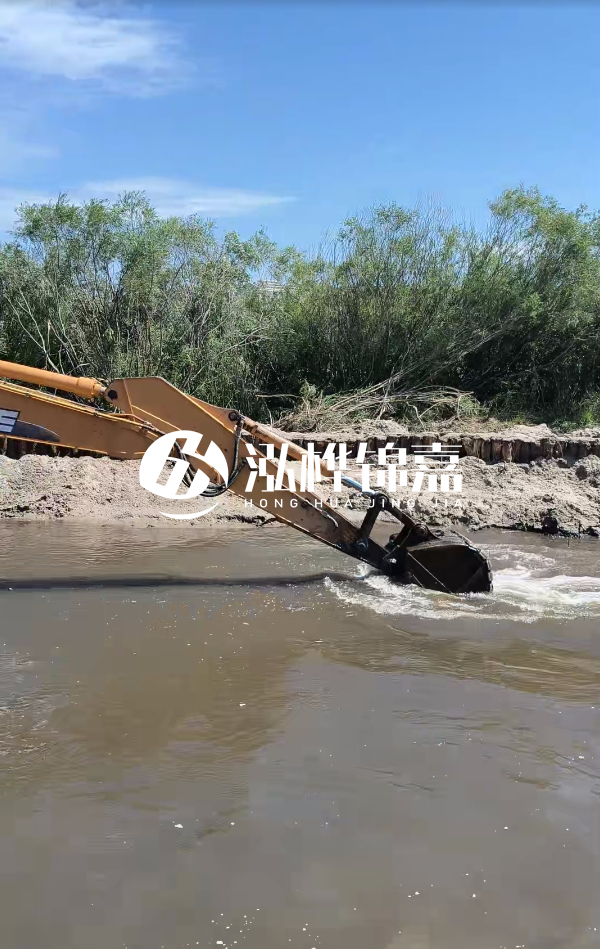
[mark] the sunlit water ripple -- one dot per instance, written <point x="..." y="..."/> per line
<point x="527" y="589"/>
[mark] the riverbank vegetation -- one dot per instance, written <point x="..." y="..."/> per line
<point x="404" y="313"/>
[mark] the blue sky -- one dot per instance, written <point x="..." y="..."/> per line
<point x="292" y="117"/>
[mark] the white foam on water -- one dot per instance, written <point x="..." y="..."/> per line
<point x="382" y="595"/>
<point x="503" y="553"/>
<point x="526" y="591"/>
<point x="561" y="596"/>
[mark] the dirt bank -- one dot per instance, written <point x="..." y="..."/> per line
<point x="493" y="442"/>
<point x="502" y="494"/>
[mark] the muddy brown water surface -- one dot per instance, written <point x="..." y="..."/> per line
<point x="292" y="752"/>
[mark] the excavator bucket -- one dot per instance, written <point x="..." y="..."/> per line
<point x="437" y="560"/>
<point x="446" y="562"/>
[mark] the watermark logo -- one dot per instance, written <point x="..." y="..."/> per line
<point x="436" y="469"/>
<point x="160" y="452"/>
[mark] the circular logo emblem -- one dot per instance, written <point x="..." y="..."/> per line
<point x="159" y="452"/>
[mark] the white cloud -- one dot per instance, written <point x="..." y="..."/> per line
<point x="170" y="197"/>
<point x="95" y="44"/>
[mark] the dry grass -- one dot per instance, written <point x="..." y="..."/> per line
<point x="317" y="412"/>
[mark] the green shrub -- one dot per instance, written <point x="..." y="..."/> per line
<point x="511" y="315"/>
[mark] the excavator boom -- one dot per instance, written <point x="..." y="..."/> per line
<point x="148" y="408"/>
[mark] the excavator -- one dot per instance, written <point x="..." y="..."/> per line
<point x="141" y="410"/>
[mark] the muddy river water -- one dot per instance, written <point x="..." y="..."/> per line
<point x="243" y="739"/>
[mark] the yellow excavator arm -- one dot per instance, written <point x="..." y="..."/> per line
<point x="148" y="408"/>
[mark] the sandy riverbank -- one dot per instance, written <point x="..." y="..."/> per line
<point x="500" y="494"/>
